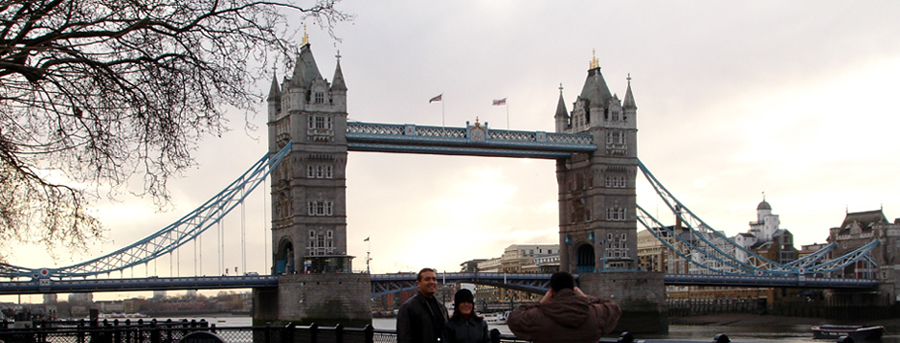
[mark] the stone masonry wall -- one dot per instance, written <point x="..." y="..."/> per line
<point x="641" y="295"/>
<point x="326" y="299"/>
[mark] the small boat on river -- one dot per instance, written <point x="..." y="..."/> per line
<point x="857" y="332"/>
<point x="496" y="318"/>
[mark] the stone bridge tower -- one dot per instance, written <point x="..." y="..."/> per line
<point x="597" y="204"/>
<point x="597" y="223"/>
<point x="309" y="217"/>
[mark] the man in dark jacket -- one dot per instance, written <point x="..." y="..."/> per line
<point x="422" y="317"/>
<point x="565" y="314"/>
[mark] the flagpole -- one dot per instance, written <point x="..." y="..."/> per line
<point x="442" y="113"/>
<point x="507" y="114"/>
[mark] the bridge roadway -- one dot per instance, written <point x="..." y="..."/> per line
<point x="389" y="283"/>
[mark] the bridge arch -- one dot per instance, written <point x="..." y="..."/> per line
<point x="585" y="257"/>
<point x="284" y="256"/>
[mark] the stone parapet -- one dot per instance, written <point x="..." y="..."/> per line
<point x="324" y="299"/>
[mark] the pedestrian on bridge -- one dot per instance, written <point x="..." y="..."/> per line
<point x="465" y="326"/>
<point x="564" y="314"/>
<point x="421" y="318"/>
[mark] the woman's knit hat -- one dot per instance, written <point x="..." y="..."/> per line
<point x="463" y="295"/>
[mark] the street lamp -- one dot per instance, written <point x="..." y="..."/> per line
<point x="368" y="254"/>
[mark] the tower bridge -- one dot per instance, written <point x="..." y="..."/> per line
<point x="309" y="137"/>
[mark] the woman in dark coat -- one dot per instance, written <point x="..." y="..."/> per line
<point x="465" y="326"/>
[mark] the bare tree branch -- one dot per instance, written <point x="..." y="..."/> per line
<point x="103" y="90"/>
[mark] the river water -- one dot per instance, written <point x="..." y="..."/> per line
<point x="699" y="333"/>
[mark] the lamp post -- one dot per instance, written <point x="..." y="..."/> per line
<point x="368" y="254"/>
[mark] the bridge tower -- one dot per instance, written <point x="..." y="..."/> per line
<point x="597" y="223"/>
<point x="308" y="192"/>
<point x="597" y="203"/>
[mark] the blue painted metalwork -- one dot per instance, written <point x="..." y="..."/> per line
<point x="408" y="138"/>
<point x="699" y="242"/>
<point x="169" y="238"/>
<point x="795" y="281"/>
<point x="139" y="284"/>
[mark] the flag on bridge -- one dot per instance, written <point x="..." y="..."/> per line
<point x="500" y="102"/>
<point x="366" y="240"/>
<point x="437" y="98"/>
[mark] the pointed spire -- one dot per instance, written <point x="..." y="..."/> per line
<point x="561" y="110"/>
<point x="594" y="62"/>
<point x="337" y="82"/>
<point x="305" y="40"/>
<point x="274" y="91"/>
<point x="628" y="103"/>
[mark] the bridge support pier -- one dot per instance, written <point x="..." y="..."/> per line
<point x="324" y="299"/>
<point x="641" y="295"/>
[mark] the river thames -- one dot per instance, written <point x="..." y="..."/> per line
<point x="765" y="332"/>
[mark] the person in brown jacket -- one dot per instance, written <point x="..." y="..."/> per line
<point x="565" y="314"/>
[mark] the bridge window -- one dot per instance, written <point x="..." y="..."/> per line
<point x="615" y="214"/>
<point x="613" y="181"/>
<point x="320" y="97"/>
<point x="615" y="137"/>
<point x="615" y="115"/>
<point x="319" y="122"/>
<point x="319" y="171"/>
<point x="320" y="208"/>
<point x="320" y="243"/>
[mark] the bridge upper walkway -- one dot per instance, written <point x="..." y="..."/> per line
<point x="472" y="140"/>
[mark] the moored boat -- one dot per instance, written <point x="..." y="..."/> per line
<point x="496" y="318"/>
<point x="857" y="332"/>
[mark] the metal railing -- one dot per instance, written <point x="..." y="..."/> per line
<point x="173" y="331"/>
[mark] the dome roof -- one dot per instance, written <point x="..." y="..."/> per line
<point x="763" y="206"/>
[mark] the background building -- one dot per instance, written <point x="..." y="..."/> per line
<point x="861" y="228"/>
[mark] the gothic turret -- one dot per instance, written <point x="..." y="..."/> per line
<point x="274" y="101"/>
<point x="628" y="103"/>
<point x="337" y="82"/>
<point x="338" y="88"/>
<point x="562" y="114"/>
<point x="274" y="90"/>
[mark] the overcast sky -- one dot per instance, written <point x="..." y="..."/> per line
<point x="792" y="98"/>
